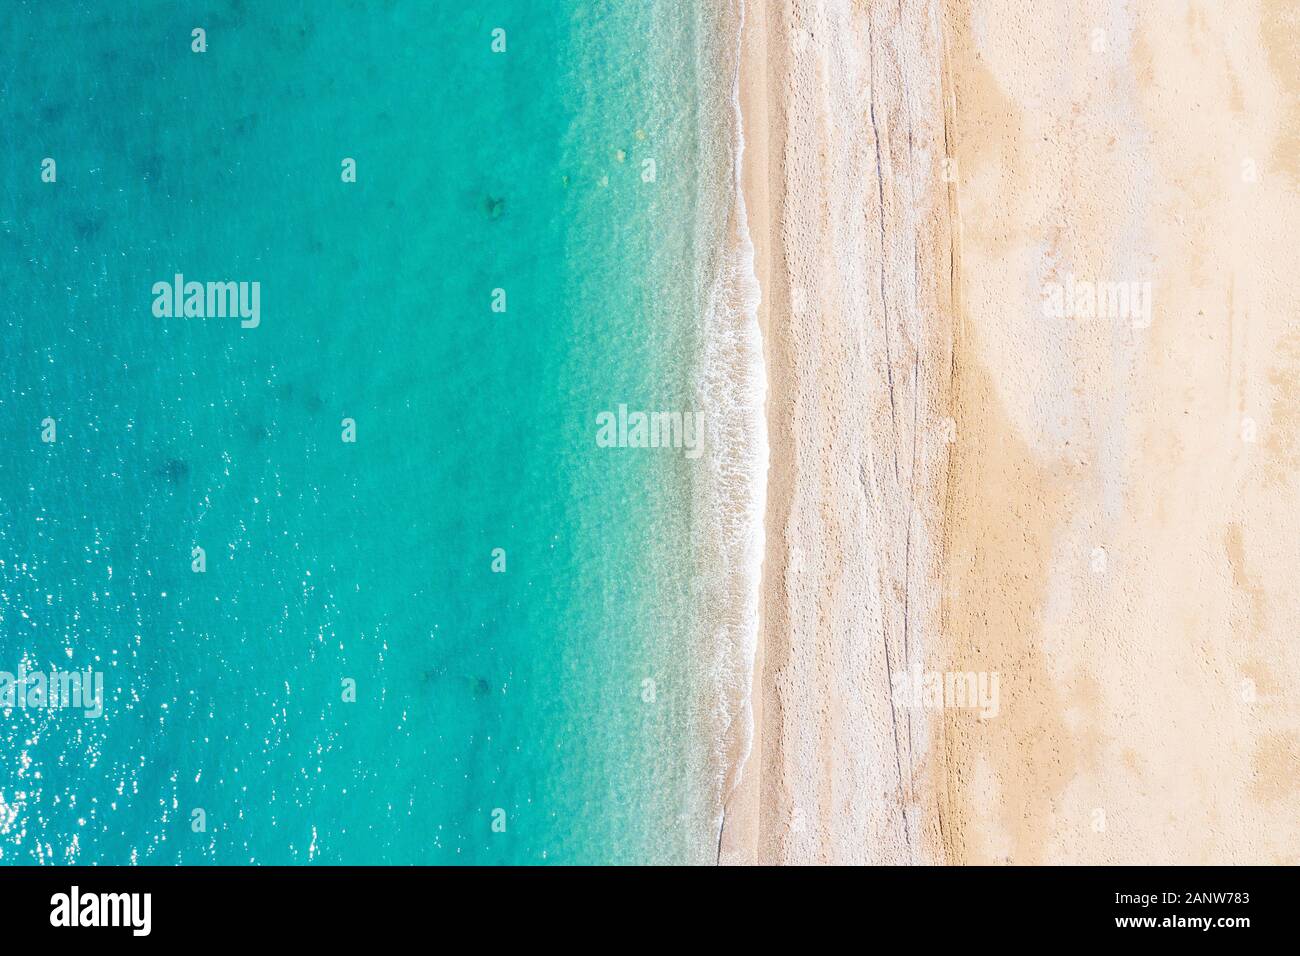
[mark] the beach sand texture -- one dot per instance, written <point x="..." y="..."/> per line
<point x="1100" y="508"/>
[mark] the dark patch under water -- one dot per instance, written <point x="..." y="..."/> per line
<point x="175" y="470"/>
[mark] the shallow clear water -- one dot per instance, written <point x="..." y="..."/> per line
<point x="369" y="561"/>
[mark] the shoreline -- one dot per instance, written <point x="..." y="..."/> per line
<point x="734" y="384"/>
<point x="738" y="836"/>
<point x="853" y="505"/>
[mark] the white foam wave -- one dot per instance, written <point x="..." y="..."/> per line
<point x="733" y="391"/>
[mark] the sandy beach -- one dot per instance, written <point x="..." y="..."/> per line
<point x="1032" y="336"/>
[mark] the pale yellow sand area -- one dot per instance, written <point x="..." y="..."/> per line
<point x="1150" y="712"/>
<point x="1148" y="696"/>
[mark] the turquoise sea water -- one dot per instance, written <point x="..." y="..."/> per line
<point x="327" y="561"/>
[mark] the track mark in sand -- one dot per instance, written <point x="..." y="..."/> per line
<point x="880" y="222"/>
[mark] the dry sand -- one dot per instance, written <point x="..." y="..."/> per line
<point x="1103" y="511"/>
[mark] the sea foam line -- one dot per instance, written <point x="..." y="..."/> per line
<point x="734" y="385"/>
